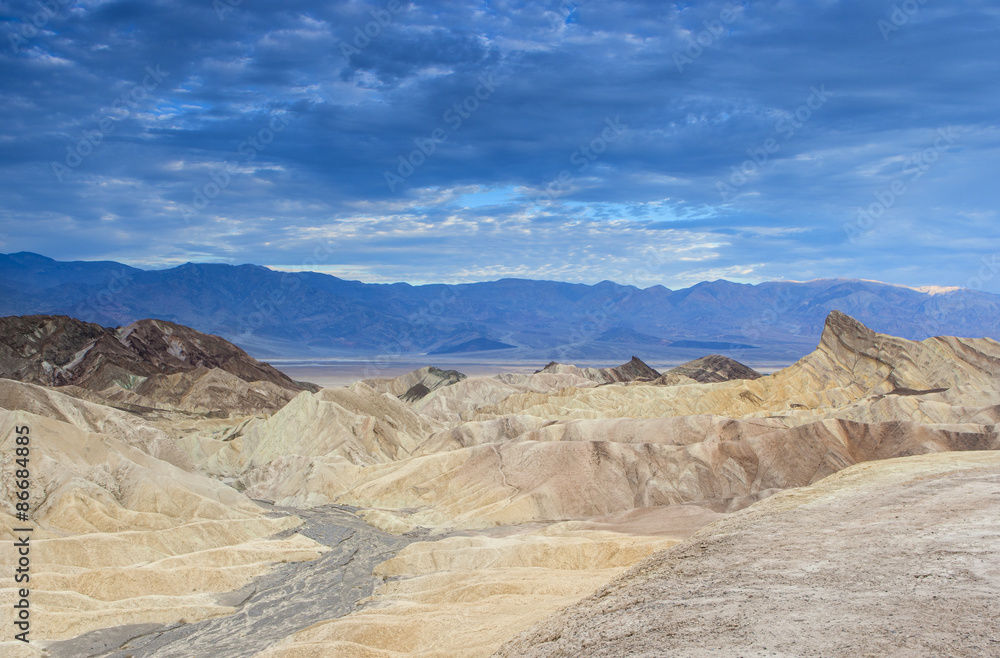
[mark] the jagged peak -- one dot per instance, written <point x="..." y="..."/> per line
<point x="843" y="330"/>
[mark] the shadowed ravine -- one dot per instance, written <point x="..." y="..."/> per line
<point x="289" y="598"/>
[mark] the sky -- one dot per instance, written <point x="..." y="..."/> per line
<point x="640" y="142"/>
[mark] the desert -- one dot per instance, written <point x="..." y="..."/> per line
<point x="499" y="328"/>
<point x="190" y="500"/>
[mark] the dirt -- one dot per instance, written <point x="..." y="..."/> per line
<point x="841" y="569"/>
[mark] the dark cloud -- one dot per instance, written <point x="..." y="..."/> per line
<point x="523" y="179"/>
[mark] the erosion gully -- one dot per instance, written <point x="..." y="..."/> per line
<point x="271" y="607"/>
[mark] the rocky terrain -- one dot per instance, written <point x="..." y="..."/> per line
<point x="894" y="558"/>
<point x="634" y="370"/>
<point x="571" y="511"/>
<point x="149" y="363"/>
<point x="707" y="370"/>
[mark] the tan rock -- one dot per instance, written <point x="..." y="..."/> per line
<point x="122" y="537"/>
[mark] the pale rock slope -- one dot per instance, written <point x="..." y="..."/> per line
<point x="888" y="558"/>
<point x="415" y="385"/>
<point x="484" y="452"/>
<point x="551" y="480"/>
<point x="474" y="433"/>
<point x="547" y="381"/>
<point x="459" y="403"/>
<point x="93" y="418"/>
<point x="122" y="537"/>
<point x="463" y="596"/>
<point x="308" y="451"/>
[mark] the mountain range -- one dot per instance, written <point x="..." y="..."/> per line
<point x="305" y="314"/>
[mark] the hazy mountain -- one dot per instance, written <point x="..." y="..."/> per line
<point x="272" y="313"/>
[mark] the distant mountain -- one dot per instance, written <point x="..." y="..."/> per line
<point x="474" y="345"/>
<point x="711" y="345"/>
<point x="271" y="313"/>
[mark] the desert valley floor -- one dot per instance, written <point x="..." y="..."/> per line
<point x="188" y="500"/>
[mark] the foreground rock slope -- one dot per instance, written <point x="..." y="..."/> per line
<point x="892" y="558"/>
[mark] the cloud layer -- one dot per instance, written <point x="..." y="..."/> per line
<point x="643" y="142"/>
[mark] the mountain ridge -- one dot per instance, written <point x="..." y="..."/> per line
<point x="272" y="313"/>
<point x="147" y="364"/>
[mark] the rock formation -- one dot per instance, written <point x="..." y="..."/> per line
<point x="149" y="363"/>
<point x="889" y="558"/>
<point x="123" y="537"/>
<point x="634" y="370"/>
<point x="484" y="504"/>
<point x="416" y="385"/>
<point x="499" y="451"/>
<point x="707" y="370"/>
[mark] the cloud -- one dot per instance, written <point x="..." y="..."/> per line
<point x="523" y="180"/>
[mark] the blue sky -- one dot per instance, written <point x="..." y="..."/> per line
<point x="642" y="142"/>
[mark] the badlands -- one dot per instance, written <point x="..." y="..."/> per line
<point x="188" y="500"/>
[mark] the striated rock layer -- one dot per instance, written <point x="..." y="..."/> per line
<point x="634" y="370"/>
<point x="520" y="494"/>
<point x="149" y="363"/>
<point x="556" y="445"/>
<point x="123" y="537"/>
<point x="707" y="370"/>
<point x="894" y="557"/>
